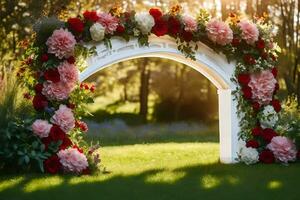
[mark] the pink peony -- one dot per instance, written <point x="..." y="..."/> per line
<point x="109" y="22"/>
<point x="64" y="118"/>
<point x="262" y="85"/>
<point x="72" y="160"/>
<point x="41" y="128"/>
<point x="56" y="91"/>
<point x="190" y="24"/>
<point x="68" y="74"/>
<point x="283" y="149"/>
<point x="250" y="32"/>
<point x="219" y="32"/>
<point x="61" y="43"/>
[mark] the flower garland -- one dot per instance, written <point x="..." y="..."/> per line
<point x="54" y="63"/>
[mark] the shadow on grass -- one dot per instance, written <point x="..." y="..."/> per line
<point x="213" y="181"/>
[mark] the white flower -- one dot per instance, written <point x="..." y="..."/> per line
<point x="249" y="155"/>
<point x="268" y="117"/>
<point x="145" y="22"/>
<point x="97" y="32"/>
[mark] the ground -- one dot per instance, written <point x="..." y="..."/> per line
<point x="171" y="170"/>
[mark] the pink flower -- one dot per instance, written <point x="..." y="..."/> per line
<point x="61" y="43"/>
<point x="72" y="160"/>
<point x="283" y="149"/>
<point x="41" y="128"/>
<point x="109" y="22"/>
<point x="262" y="85"/>
<point x="250" y="32"/>
<point x="219" y="32"/>
<point x="190" y="24"/>
<point x="56" y="91"/>
<point x="68" y="74"/>
<point x="64" y="118"/>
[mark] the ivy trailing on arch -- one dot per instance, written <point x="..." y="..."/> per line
<point x="57" y="53"/>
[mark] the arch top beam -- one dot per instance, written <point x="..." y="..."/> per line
<point x="212" y="65"/>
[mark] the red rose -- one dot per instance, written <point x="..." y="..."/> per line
<point x="276" y="87"/>
<point x="91" y="16"/>
<point x="276" y="104"/>
<point x="155" y="13"/>
<point x="76" y="24"/>
<point x="92" y="89"/>
<point x="160" y="28"/>
<point x="38" y="88"/>
<point x="187" y="36"/>
<point x="256" y="131"/>
<point x="256" y="106"/>
<point x="120" y="29"/>
<point x="247" y="93"/>
<point x="268" y="134"/>
<point x="266" y="157"/>
<point x="260" y="44"/>
<point x="44" y="58"/>
<point x="46" y="141"/>
<point x="244" y="79"/>
<point x="52" y="164"/>
<point x="250" y="60"/>
<point x="66" y="142"/>
<point x="174" y="26"/>
<point x="235" y="42"/>
<point x="52" y="75"/>
<point x="39" y="102"/>
<point x="252" y="143"/>
<point x="274" y="72"/>
<point x="86" y="171"/>
<point x="71" y="60"/>
<point x="56" y="133"/>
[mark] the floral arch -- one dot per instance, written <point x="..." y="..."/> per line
<point x="239" y="56"/>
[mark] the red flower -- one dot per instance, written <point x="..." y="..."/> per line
<point x="174" y="26"/>
<point x="247" y="93"/>
<point x="274" y="58"/>
<point x="244" y="79"/>
<point x="276" y="104"/>
<point x="92" y="89"/>
<point x="52" y="75"/>
<point x="46" y="141"/>
<point x="260" y="44"/>
<point x="274" y="72"/>
<point x="76" y="24"/>
<point x="66" y="142"/>
<point x="52" y="164"/>
<point x="38" y="88"/>
<point x="91" y="16"/>
<point x="298" y="154"/>
<point x="56" y="133"/>
<point x="39" y="102"/>
<point x="268" y="134"/>
<point x="82" y="125"/>
<point x="156" y="13"/>
<point x="86" y="171"/>
<point x="256" y="131"/>
<point x="160" y="28"/>
<point x="120" y="29"/>
<point x="44" y="58"/>
<point x="187" y="36"/>
<point x="250" y="60"/>
<point x="235" y="42"/>
<point x="276" y="87"/>
<point x="256" y="106"/>
<point x="71" y="60"/>
<point x="252" y="143"/>
<point x="27" y="96"/>
<point x="266" y="157"/>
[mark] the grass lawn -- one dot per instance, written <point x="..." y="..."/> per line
<point x="160" y="171"/>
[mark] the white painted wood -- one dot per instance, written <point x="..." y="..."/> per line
<point x="212" y="65"/>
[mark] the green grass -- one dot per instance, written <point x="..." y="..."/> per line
<point x="160" y="171"/>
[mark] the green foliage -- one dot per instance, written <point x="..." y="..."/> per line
<point x="289" y="121"/>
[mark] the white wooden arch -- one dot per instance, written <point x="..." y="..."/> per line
<point x="212" y="65"/>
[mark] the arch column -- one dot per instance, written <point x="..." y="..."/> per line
<point x="228" y="126"/>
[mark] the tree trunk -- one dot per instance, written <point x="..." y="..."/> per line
<point x="144" y="89"/>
